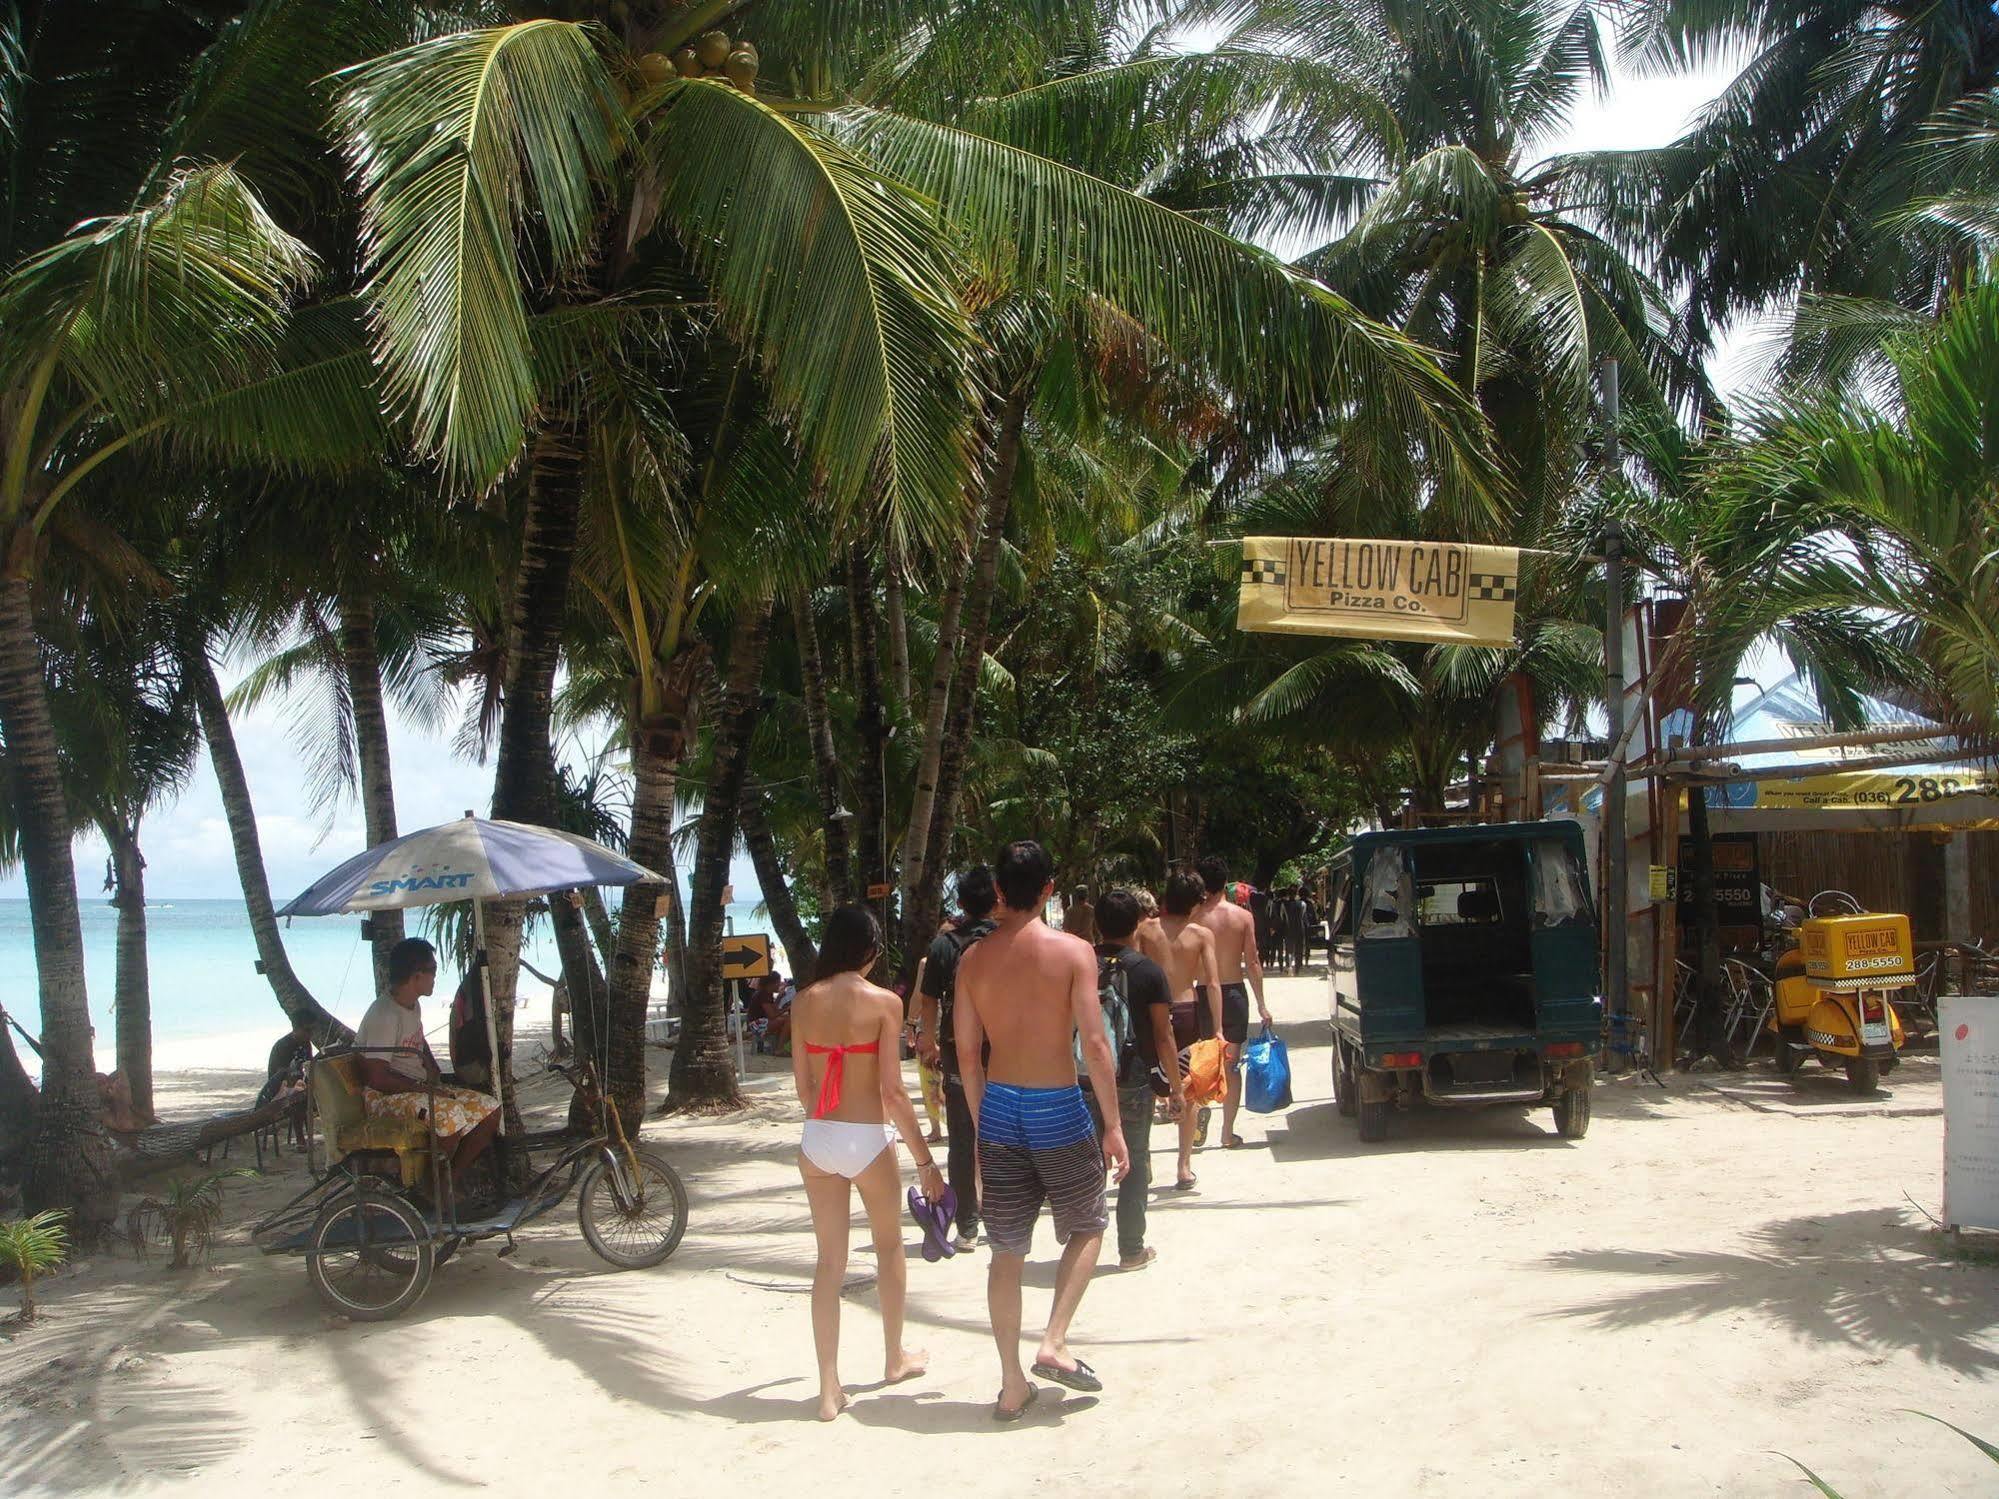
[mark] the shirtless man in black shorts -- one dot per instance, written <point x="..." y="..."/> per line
<point x="1188" y="956"/>
<point x="1031" y="992"/>
<point x="1236" y="956"/>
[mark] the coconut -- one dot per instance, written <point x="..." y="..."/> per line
<point x="712" y="48"/>
<point x="686" y="64"/>
<point x="742" y="69"/>
<point x="655" y="67"/>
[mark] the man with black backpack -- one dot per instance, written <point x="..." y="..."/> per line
<point x="937" y="1044"/>
<point x="1137" y="1002"/>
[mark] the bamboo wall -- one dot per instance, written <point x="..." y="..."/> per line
<point x="1886" y="872"/>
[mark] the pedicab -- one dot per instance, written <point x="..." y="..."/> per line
<point x="381" y="1213"/>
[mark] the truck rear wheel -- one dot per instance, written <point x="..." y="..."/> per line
<point x="1864" y="1073"/>
<point x="1346" y="1086"/>
<point x="1374" y="1121"/>
<point x="1572" y="1113"/>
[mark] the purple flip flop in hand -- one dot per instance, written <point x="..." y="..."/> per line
<point x="935" y="1219"/>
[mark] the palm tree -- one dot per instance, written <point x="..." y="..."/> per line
<point x="1799" y="177"/>
<point x="130" y="739"/>
<point x="1908" y="482"/>
<point x="630" y="181"/>
<point x="142" y="306"/>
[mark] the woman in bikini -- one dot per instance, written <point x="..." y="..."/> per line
<point x="846" y="1059"/>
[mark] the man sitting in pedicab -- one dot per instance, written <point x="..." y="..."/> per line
<point x="400" y="1077"/>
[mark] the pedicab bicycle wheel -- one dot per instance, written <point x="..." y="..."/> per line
<point x="369" y="1255"/>
<point x="642" y="1231"/>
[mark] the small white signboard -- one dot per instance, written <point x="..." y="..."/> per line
<point x="1968" y="1034"/>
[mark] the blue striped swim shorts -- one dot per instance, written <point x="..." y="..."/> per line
<point x="1038" y="1145"/>
<point x="1034" y="1118"/>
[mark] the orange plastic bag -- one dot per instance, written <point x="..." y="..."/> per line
<point x="1207" y="1079"/>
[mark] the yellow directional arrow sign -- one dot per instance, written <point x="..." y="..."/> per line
<point x="746" y="955"/>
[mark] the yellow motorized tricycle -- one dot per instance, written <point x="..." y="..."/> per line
<point x="1832" y="992"/>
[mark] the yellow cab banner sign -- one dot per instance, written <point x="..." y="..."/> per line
<point x="1379" y="589"/>
<point x="1873" y="790"/>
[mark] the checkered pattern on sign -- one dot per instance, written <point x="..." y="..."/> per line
<point x="1499" y="588"/>
<point x="1259" y="570"/>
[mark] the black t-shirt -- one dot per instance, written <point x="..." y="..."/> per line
<point x="288" y="1056"/>
<point x="1151" y="998"/>
<point x="940" y="981"/>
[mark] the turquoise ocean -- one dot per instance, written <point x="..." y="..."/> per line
<point x="211" y="1008"/>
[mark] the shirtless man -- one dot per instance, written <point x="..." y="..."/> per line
<point x="1031" y="992"/>
<point x="1236" y="956"/>
<point x="1189" y="960"/>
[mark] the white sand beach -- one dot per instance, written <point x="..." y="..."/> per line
<point x="1713" y="1275"/>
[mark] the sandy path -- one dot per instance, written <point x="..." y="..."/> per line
<point x="1477" y="1307"/>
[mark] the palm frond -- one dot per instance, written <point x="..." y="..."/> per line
<point x="457" y="145"/>
<point x="838" y="279"/>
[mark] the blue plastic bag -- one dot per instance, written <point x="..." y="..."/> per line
<point x="1266" y="1083"/>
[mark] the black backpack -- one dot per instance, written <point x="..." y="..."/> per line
<point x="1114" y="999"/>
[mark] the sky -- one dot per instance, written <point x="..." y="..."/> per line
<point x="187" y="844"/>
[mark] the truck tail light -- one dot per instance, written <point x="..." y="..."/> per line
<point x="1403" y="1059"/>
<point x="1565" y="1049"/>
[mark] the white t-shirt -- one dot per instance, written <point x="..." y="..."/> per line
<point x="389" y="1024"/>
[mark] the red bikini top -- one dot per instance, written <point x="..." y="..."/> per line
<point x="836" y="1071"/>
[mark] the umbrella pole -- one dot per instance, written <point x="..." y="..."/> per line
<point x="486" y="988"/>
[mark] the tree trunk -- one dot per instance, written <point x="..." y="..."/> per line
<point x="798" y="947"/>
<point x="1706" y="1037"/>
<point x="704" y="1072"/>
<point x="927" y="895"/>
<point x="361" y="661"/>
<point x="657" y="746"/>
<point x="599" y="921"/>
<point x="241" y="816"/>
<point x="676" y="934"/>
<point x="898" y="640"/>
<point x="825" y="758"/>
<point x="524" y="766"/>
<point x="589" y="1003"/>
<point x="18" y="1105"/>
<point x="871" y="788"/>
<point x="68" y="1164"/>
<point x="133" y="1001"/>
<point x="923" y="797"/>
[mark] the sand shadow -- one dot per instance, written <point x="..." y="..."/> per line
<point x="1316" y="1132"/>
<point x="1867" y="1278"/>
<point x="90" y="1412"/>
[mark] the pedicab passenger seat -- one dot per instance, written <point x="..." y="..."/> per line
<point x="351" y="1130"/>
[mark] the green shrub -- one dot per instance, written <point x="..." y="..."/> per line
<point x="33" y="1246"/>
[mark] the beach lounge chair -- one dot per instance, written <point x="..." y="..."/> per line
<point x="351" y="1130"/>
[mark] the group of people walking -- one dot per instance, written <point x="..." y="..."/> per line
<point x="1056" y="1053"/>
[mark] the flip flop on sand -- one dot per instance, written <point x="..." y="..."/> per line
<point x="1001" y="1413"/>
<point x="1140" y="1260"/>
<point x="1082" y="1377"/>
<point x="1185" y="1184"/>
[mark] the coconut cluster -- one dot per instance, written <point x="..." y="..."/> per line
<point x="711" y="55"/>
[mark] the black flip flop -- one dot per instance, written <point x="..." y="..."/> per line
<point x="1082" y="1377"/>
<point x="1001" y="1413"/>
<point x="1186" y="1184"/>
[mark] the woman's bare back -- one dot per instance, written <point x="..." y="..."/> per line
<point x="846" y="1010"/>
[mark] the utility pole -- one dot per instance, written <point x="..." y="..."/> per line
<point x="1616" y="895"/>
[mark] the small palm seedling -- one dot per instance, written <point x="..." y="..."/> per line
<point x="186" y="1216"/>
<point x="33" y="1246"/>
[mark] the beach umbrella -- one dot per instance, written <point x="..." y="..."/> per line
<point x="476" y="859"/>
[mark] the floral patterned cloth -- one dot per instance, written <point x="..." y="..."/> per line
<point x="458" y="1109"/>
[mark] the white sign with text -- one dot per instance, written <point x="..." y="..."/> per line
<point x="1968" y="1035"/>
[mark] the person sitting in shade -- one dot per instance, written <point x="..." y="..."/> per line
<point x="289" y="1054"/>
<point x="400" y="1077"/>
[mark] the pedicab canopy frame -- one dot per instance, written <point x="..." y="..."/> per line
<point x="476" y="859"/>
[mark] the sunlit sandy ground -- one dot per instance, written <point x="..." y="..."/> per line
<point x="1476" y="1307"/>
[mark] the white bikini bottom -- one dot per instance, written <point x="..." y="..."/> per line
<point x="843" y="1147"/>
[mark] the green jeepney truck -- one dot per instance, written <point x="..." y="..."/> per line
<point x="1464" y="973"/>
